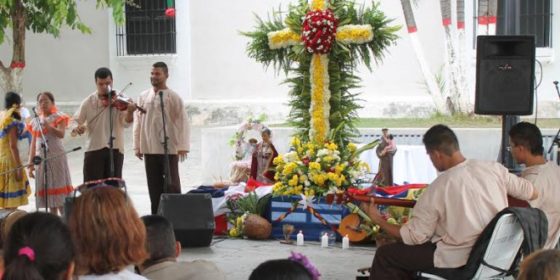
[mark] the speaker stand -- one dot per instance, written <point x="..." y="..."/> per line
<point x="556" y="141"/>
<point x="505" y="156"/>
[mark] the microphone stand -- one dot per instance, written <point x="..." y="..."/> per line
<point x="44" y="149"/>
<point x="167" y="171"/>
<point x="111" y="138"/>
<point x="556" y="139"/>
<point x="38" y="160"/>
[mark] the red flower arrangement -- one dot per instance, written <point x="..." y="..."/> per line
<point x="319" y="30"/>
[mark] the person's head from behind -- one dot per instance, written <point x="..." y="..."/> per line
<point x="525" y="141"/>
<point x="39" y="247"/>
<point x="160" y="240"/>
<point x="441" y="145"/>
<point x="107" y="232"/>
<point x="12" y="99"/>
<point x="282" y="269"/>
<point x="103" y="80"/>
<point x="541" y="265"/>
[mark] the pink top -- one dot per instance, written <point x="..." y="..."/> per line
<point x="458" y="205"/>
<point x="546" y="178"/>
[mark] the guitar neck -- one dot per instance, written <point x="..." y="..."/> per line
<point x="386" y="201"/>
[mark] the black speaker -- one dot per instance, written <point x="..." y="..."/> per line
<point x="505" y="67"/>
<point x="192" y="217"/>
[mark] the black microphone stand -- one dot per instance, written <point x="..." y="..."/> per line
<point x="38" y="160"/>
<point x="111" y="138"/>
<point x="44" y="149"/>
<point x="556" y="139"/>
<point x="167" y="171"/>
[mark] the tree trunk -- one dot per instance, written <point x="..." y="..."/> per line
<point x="11" y="76"/>
<point x="492" y="16"/>
<point x="464" y="84"/>
<point x="429" y="78"/>
<point x="454" y="74"/>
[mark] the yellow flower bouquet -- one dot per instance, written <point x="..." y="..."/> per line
<point x="318" y="169"/>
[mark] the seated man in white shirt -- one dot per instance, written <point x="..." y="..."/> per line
<point x="164" y="250"/>
<point x="450" y="215"/>
<point x="526" y="146"/>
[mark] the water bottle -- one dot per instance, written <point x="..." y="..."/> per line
<point x="299" y="239"/>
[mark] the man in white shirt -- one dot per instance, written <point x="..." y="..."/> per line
<point x="526" y="146"/>
<point x="149" y="135"/>
<point x="94" y="118"/>
<point x="450" y="215"/>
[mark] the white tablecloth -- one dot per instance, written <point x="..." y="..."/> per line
<point x="411" y="164"/>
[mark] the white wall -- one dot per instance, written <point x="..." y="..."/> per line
<point x="64" y="65"/>
<point x="213" y="73"/>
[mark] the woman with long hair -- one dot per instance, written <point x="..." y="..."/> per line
<point x="14" y="186"/>
<point x="38" y="247"/>
<point x="107" y="233"/>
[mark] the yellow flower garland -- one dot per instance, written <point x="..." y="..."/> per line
<point x="320" y="95"/>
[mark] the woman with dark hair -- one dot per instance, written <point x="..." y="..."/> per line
<point x="51" y="124"/>
<point x="39" y="248"/>
<point x="541" y="265"/>
<point x="296" y="267"/>
<point x="262" y="168"/>
<point x="14" y="186"/>
<point x="108" y="234"/>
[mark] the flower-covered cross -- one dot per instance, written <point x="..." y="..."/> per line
<point x="320" y="30"/>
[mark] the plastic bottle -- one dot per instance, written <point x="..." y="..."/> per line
<point x="300" y="239"/>
<point x="345" y="242"/>
<point x="325" y="240"/>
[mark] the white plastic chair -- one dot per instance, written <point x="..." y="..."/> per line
<point x="501" y="251"/>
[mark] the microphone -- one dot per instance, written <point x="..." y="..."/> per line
<point x="38" y="159"/>
<point x="34" y="112"/>
<point x="555" y="83"/>
<point x="160" y="93"/>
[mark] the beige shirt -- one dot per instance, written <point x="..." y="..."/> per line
<point x="458" y="205"/>
<point x="196" y="270"/>
<point x="148" y="127"/>
<point x="95" y="117"/>
<point x="546" y="178"/>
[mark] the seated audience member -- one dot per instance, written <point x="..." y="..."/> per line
<point x="108" y="234"/>
<point x="526" y="146"/>
<point x="164" y="250"/>
<point x="451" y="213"/>
<point x="39" y="247"/>
<point x="541" y="265"/>
<point x="296" y="267"/>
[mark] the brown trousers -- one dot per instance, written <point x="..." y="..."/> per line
<point x="155" y="171"/>
<point x="97" y="164"/>
<point x="400" y="261"/>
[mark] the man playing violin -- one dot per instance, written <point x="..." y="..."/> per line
<point x="94" y="118"/>
<point x="526" y="147"/>
<point x="450" y="215"/>
<point x="149" y="135"/>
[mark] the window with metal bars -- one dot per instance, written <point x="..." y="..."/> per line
<point x="526" y="17"/>
<point x="147" y="30"/>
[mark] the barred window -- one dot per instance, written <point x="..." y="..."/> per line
<point x="147" y="29"/>
<point x="526" y="17"/>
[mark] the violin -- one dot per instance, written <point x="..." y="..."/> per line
<point x="121" y="101"/>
